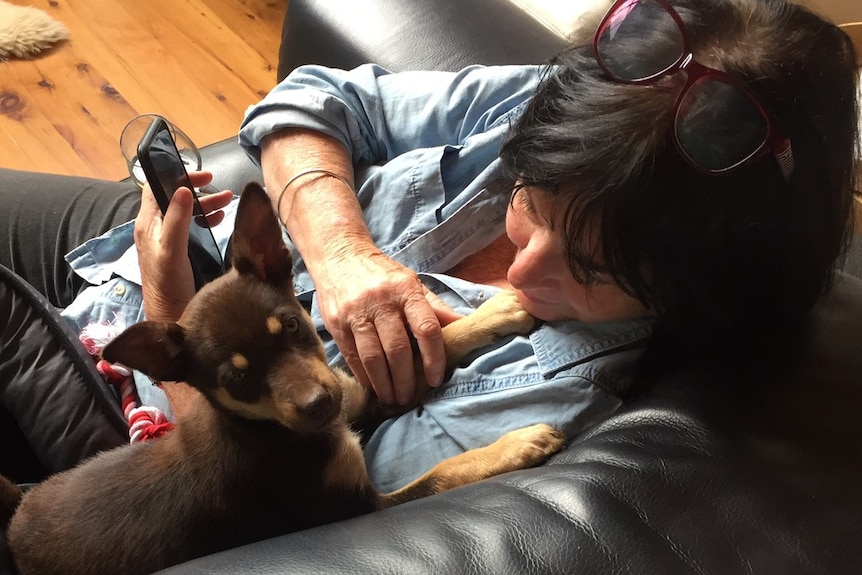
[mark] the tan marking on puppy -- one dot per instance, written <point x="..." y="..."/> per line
<point x="273" y="325"/>
<point x="239" y="361"/>
<point x="498" y="317"/>
<point x="354" y="397"/>
<point x="346" y="469"/>
<point x="518" y="449"/>
<point x="264" y="409"/>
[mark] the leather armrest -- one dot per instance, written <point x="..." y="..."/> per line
<point x="230" y="165"/>
<point x="411" y="35"/>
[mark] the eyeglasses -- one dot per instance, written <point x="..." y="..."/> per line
<point x="719" y="124"/>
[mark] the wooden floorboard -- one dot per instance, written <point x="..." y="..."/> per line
<point x="200" y="63"/>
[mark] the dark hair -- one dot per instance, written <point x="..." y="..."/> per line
<point x="717" y="257"/>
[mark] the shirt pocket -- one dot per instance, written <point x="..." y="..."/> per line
<point x="116" y="301"/>
<point x="403" y="199"/>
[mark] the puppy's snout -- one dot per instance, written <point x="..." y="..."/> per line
<point x="320" y="407"/>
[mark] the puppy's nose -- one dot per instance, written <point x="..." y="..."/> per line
<point x="320" y="407"/>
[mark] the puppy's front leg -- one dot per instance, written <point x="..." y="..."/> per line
<point x="354" y="397"/>
<point x="498" y="317"/>
<point x="518" y="449"/>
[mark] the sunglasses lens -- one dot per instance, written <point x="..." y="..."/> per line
<point x="718" y="126"/>
<point x="638" y="39"/>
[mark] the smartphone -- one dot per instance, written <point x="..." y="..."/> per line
<point x="165" y="171"/>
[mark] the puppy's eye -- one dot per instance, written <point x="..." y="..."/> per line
<point x="232" y="373"/>
<point x="291" y="324"/>
<point x="233" y="377"/>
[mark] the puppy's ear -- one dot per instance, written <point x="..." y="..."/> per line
<point x="156" y="348"/>
<point x="257" y="245"/>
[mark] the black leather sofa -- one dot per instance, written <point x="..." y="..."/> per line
<point x="745" y="470"/>
<point x="751" y="469"/>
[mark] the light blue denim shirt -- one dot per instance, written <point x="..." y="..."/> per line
<point x="425" y="146"/>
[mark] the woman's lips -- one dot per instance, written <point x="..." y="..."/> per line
<point x="534" y="299"/>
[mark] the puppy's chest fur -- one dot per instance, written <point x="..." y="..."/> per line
<point x="271" y="470"/>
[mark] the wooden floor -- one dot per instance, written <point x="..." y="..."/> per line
<point x="199" y="63"/>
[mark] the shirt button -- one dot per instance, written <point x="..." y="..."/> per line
<point x="120" y="289"/>
<point x="481" y="295"/>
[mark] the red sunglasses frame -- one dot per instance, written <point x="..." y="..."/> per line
<point x="775" y="141"/>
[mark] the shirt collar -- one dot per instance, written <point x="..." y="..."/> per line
<point x="565" y="344"/>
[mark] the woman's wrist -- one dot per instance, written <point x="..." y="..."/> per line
<point x="324" y="218"/>
<point x="304" y="177"/>
<point x="310" y="179"/>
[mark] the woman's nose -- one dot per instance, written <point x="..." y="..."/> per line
<point x="535" y="263"/>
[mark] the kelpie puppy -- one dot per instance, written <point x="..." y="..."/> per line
<point x="266" y="449"/>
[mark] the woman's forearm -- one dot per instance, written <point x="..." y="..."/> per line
<point x="369" y="303"/>
<point x="321" y="212"/>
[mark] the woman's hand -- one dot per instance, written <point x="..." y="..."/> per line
<point x="372" y="305"/>
<point x="162" y="246"/>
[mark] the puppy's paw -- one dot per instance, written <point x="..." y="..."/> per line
<point x="531" y="446"/>
<point x="505" y="313"/>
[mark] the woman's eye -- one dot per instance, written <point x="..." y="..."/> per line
<point x="591" y="279"/>
<point x="292" y="324"/>
<point x="526" y="204"/>
<point x="521" y="199"/>
<point x="596" y="278"/>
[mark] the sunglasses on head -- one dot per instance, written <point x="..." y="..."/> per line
<point x="719" y="124"/>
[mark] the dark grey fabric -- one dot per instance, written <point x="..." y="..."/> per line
<point x="50" y="390"/>
<point x="45" y="216"/>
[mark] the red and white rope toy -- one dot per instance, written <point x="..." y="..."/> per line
<point x="145" y="422"/>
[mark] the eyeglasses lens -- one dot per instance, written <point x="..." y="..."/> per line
<point x="717" y="125"/>
<point x="639" y="40"/>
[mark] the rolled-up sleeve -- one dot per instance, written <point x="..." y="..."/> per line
<point x="379" y="115"/>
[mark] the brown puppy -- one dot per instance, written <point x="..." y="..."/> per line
<point x="267" y="449"/>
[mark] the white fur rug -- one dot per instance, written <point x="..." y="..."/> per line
<point x="25" y="31"/>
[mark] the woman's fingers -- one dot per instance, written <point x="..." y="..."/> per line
<point x="377" y="342"/>
<point x="398" y="359"/>
<point x="426" y="329"/>
<point x="201" y="178"/>
<point x="215" y="201"/>
<point x="212" y="206"/>
<point x="445" y="314"/>
<point x="162" y="246"/>
<point x="174" y="234"/>
<point x="372" y="360"/>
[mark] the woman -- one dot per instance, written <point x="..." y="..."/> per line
<point x="647" y="186"/>
<point x="625" y="191"/>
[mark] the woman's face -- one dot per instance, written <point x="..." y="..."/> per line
<point x="540" y="274"/>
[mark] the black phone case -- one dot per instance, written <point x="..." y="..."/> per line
<point x="165" y="172"/>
